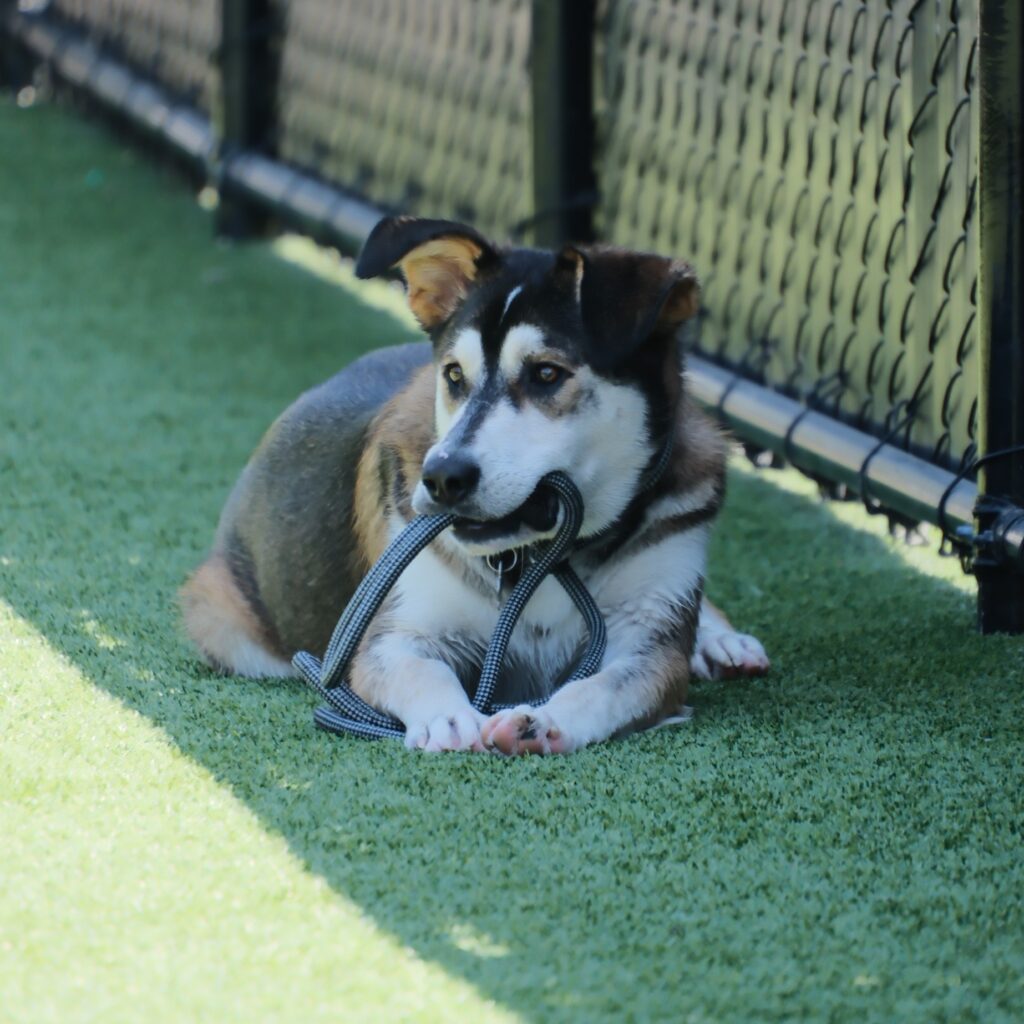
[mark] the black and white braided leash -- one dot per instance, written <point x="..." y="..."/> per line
<point x="344" y="712"/>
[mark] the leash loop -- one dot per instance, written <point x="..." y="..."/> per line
<point x="344" y="711"/>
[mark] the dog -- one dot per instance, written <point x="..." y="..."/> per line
<point x="538" y="361"/>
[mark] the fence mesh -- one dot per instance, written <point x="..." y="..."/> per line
<point x="173" y="41"/>
<point x="816" y="161"/>
<point x="418" y="105"/>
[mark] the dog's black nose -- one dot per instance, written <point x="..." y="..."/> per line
<point x="449" y="478"/>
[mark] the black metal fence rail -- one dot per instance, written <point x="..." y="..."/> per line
<point x="819" y="161"/>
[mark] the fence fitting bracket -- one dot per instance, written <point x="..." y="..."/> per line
<point x="996" y="544"/>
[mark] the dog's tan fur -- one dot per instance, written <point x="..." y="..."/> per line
<point x="223" y="624"/>
<point x="401" y="432"/>
<point x="438" y="275"/>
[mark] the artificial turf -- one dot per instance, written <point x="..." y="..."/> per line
<point x="840" y="841"/>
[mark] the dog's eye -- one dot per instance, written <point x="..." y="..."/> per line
<point x="547" y="374"/>
<point x="453" y="373"/>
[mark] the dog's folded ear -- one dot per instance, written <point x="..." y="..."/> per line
<point x="628" y="298"/>
<point x="439" y="260"/>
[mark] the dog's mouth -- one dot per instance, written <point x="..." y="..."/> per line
<point x="538" y="514"/>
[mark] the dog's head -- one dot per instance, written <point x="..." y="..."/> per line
<point x="544" y="361"/>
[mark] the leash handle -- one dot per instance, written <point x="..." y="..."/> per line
<point x="345" y="712"/>
<point x="370" y="594"/>
<point x="572" y="519"/>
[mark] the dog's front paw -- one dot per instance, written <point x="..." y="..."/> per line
<point x="723" y="654"/>
<point x="457" y="731"/>
<point x="524" y="730"/>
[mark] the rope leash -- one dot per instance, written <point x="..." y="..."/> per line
<point x="345" y="712"/>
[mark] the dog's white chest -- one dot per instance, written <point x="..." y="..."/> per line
<point x="432" y="597"/>
<point x="435" y="602"/>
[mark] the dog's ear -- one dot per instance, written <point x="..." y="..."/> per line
<point x="439" y="260"/>
<point x="628" y="298"/>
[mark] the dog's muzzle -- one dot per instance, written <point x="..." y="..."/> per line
<point x="450" y="478"/>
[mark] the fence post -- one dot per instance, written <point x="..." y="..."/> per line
<point x="13" y="67"/>
<point x="561" y="73"/>
<point x="245" y="118"/>
<point x="1001" y="303"/>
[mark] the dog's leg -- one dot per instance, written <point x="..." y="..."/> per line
<point x="723" y="653"/>
<point x="644" y="678"/>
<point x="652" y="620"/>
<point x="631" y="693"/>
<point x="224" y="627"/>
<point x="393" y="673"/>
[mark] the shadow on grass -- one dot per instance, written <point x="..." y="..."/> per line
<point x="607" y="886"/>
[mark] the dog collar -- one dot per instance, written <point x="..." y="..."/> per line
<point x="619" y="527"/>
<point x="508" y="565"/>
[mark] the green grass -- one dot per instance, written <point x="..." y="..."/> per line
<point x="840" y="841"/>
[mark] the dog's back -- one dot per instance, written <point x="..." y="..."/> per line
<point x="283" y="563"/>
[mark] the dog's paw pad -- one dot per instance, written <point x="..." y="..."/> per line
<point x="723" y="654"/>
<point x="459" y="731"/>
<point x="524" y="730"/>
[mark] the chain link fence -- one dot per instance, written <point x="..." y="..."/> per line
<point x="816" y="162"/>
<point x="821" y="162"/>
<point x="418" y="105"/>
<point x="173" y="41"/>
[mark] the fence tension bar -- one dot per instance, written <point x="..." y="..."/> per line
<point x="561" y="78"/>
<point x="1001" y="309"/>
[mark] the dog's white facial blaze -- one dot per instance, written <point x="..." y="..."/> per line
<point x="511" y="297"/>
<point x="601" y="442"/>
<point x="514" y="448"/>
<point x="603" y="447"/>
